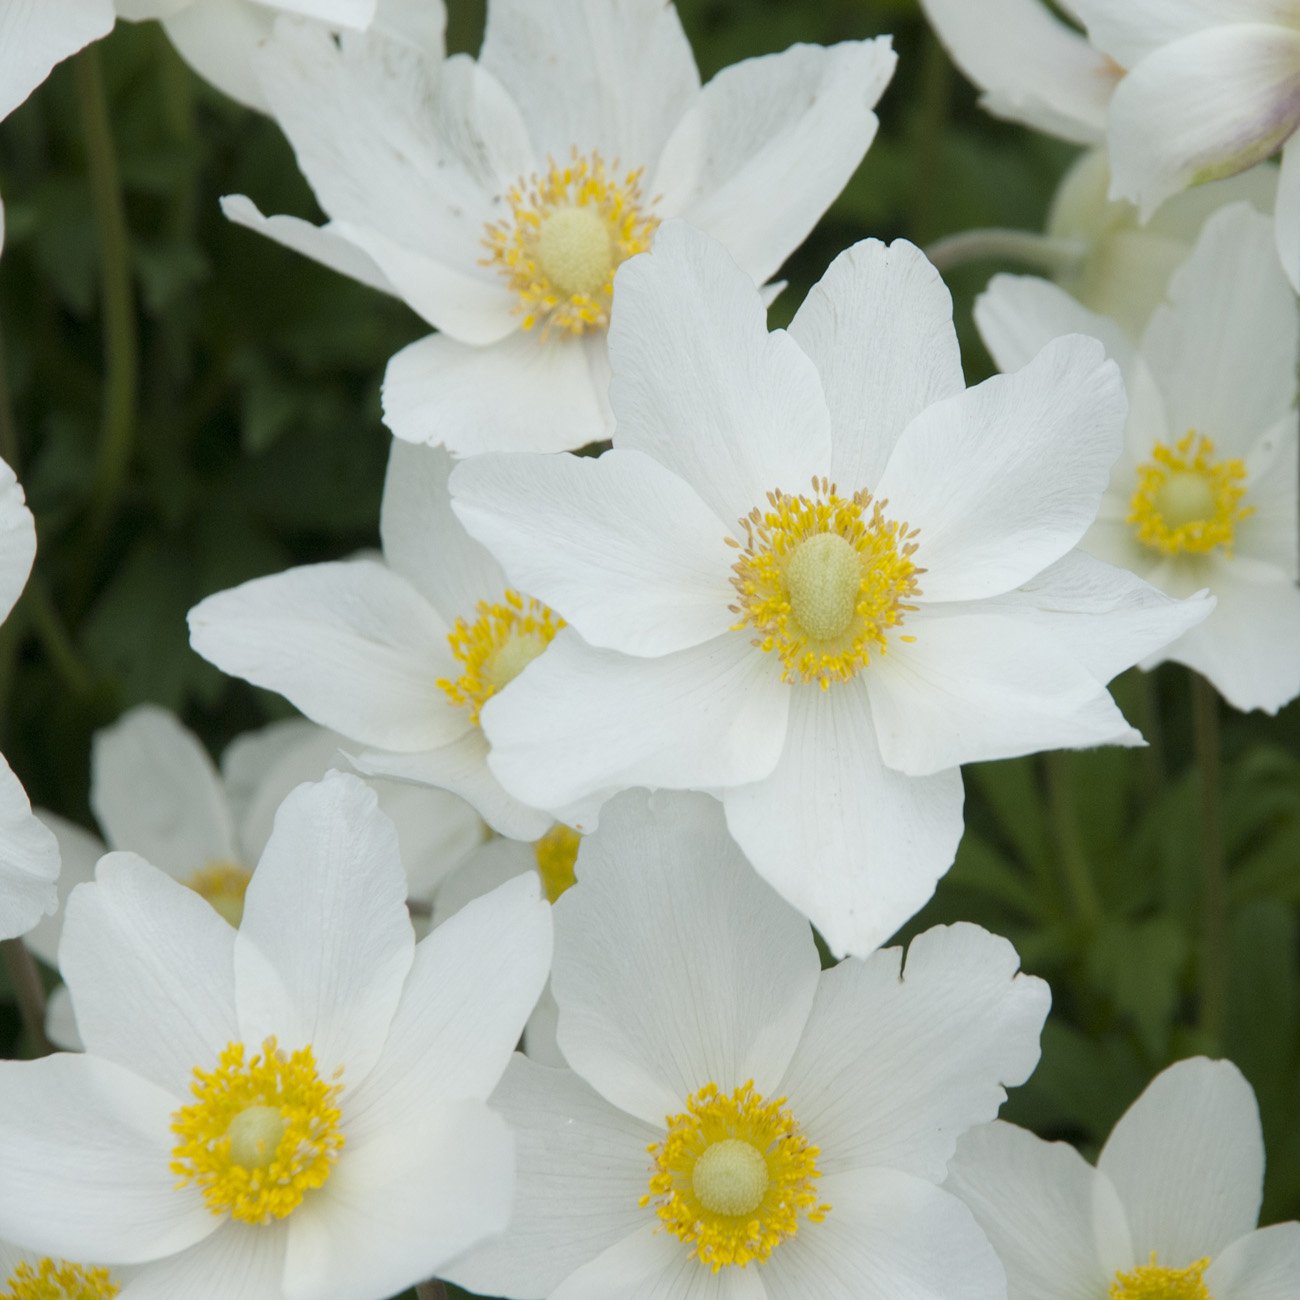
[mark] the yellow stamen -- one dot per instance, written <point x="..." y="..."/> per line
<point x="1151" y="1282"/>
<point x="557" y="854"/>
<point x="734" y="1177"/>
<point x="497" y="647"/>
<point x="51" y="1279"/>
<point x="567" y="233"/>
<point x="224" y="885"/>
<point x="822" y="580"/>
<point x="260" y="1134"/>
<point x="1188" y="503"/>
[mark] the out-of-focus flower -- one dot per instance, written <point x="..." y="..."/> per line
<point x="1204" y="495"/>
<point x="797" y="1122"/>
<point x="499" y="197"/>
<point x="814" y="562"/>
<point x="1169" y="1212"/>
<point x="28" y="1276"/>
<point x="294" y="1108"/>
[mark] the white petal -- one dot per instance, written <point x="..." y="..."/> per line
<point x="582" y="1169"/>
<point x="462" y="768"/>
<point x="1187" y="1159"/>
<point x="155" y="792"/>
<point x="699" y="383"/>
<point x="619" y="546"/>
<point x="974" y="687"/>
<point x="878" y="327"/>
<point x="1031" y="67"/>
<point x="79" y="851"/>
<point x="487" y="867"/>
<point x="610" y="77"/>
<point x="29" y="860"/>
<point x="85" y="1146"/>
<point x="425" y="542"/>
<point x="889" y="1236"/>
<point x="1004" y="479"/>
<point x="400" y="1205"/>
<point x="770" y="143"/>
<point x="528" y="392"/>
<point x="675" y="965"/>
<point x="470" y="990"/>
<point x="325" y="944"/>
<point x="61" y="1021"/>
<point x="17" y="538"/>
<point x="1262" y="1265"/>
<point x="1055" y="1222"/>
<point x="218" y="38"/>
<point x="1286" y="217"/>
<point x="959" y="1016"/>
<point x="322" y="244"/>
<point x="1224" y="350"/>
<point x="422" y="23"/>
<point x="37" y="34"/>
<point x="1201" y="108"/>
<point x="150" y="966"/>
<point x="582" y="722"/>
<point x="351" y="644"/>
<point x="864" y="856"/>
<point x="1272" y="534"/>
<point x="239" y="1259"/>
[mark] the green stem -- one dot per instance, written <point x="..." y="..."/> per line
<point x="121" y="345"/>
<point x="1018" y="247"/>
<point x="53" y="633"/>
<point x="1153" y="756"/>
<point x="29" y="992"/>
<point x="927" y="152"/>
<point x="1214" y="867"/>
<point x="1079" y="884"/>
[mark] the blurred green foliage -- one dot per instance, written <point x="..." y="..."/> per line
<point x="258" y="444"/>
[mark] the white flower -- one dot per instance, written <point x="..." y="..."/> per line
<point x="398" y="654"/>
<point x="28" y="1276"/>
<point x="797" y="1122"/>
<point x="1169" y="1211"/>
<point x="293" y="1108"/>
<point x="154" y="792"/>
<point x="29" y="856"/>
<point x="1205" y="492"/>
<point x="1211" y="87"/>
<point x="499" y="197"/>
<point x="815" y="574"/>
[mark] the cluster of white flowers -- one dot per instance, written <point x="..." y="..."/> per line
<point x="661" y="704"/>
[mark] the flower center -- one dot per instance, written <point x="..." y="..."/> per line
<point x="497" y="647"/>
<point x="734" y="1176"/>
<point x="557" y="854"/>
<point x="58" y="1280"/>
<point x="223" y="884"/>
<point x="1186" y="502"/>
<point x="1151" y="1282"/>
<point x="566" y="235"/>
<point x="821" y="579"/>
<point x="259" y="1134"/>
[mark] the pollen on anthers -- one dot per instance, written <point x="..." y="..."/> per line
<point x="57" y="1279"/>
<point x="567" y="233"/>
<point x="822" y="580"/>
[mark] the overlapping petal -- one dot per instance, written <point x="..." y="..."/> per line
<point x="37" y="34"/>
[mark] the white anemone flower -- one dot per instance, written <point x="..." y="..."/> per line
<point x="155" y="792"/>
<point x="815" y="574"/>
<point x="733" y="1121"/>
<point x="399" y="654"/>
<point x="25" y="1275"/>
<point x="1169" y="1212"/>
<point x="498" y="197"/>
<point x="1204" y="495"/>
<point x="294" y="1108"/>
<point x="29" y="855"/>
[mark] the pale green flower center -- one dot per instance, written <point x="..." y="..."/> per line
<point x="1185" y="498"/>
<point x="823" y="577"/>
<point x="730" y="1178"/>
<point x="574" y="249"/>
<point x="255" y="1136"/>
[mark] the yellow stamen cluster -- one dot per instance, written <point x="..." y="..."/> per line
<point x="497" y="647"/>
<point x="224" y="885"/>
<point x="733" y="1177"/>
<point x="1188" y="503"/>
<point x="260" y="1133"/>
<point x="566" y="235"/>
<point x="557" y="855"/>
<point x="821" y="580"/>
<point x="1151" y="1282"/>
<point x="58" y="1280"/>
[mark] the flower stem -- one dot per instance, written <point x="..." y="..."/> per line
<point x="29" y="992"/>
<point x="121" y="345"/>
<point x="49" y="626"/>
<point x="1020" y="247"/>
<point x="1214" y="869"/>
<point x="1079" y="884"/>
<point x="431" y="1290"/>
